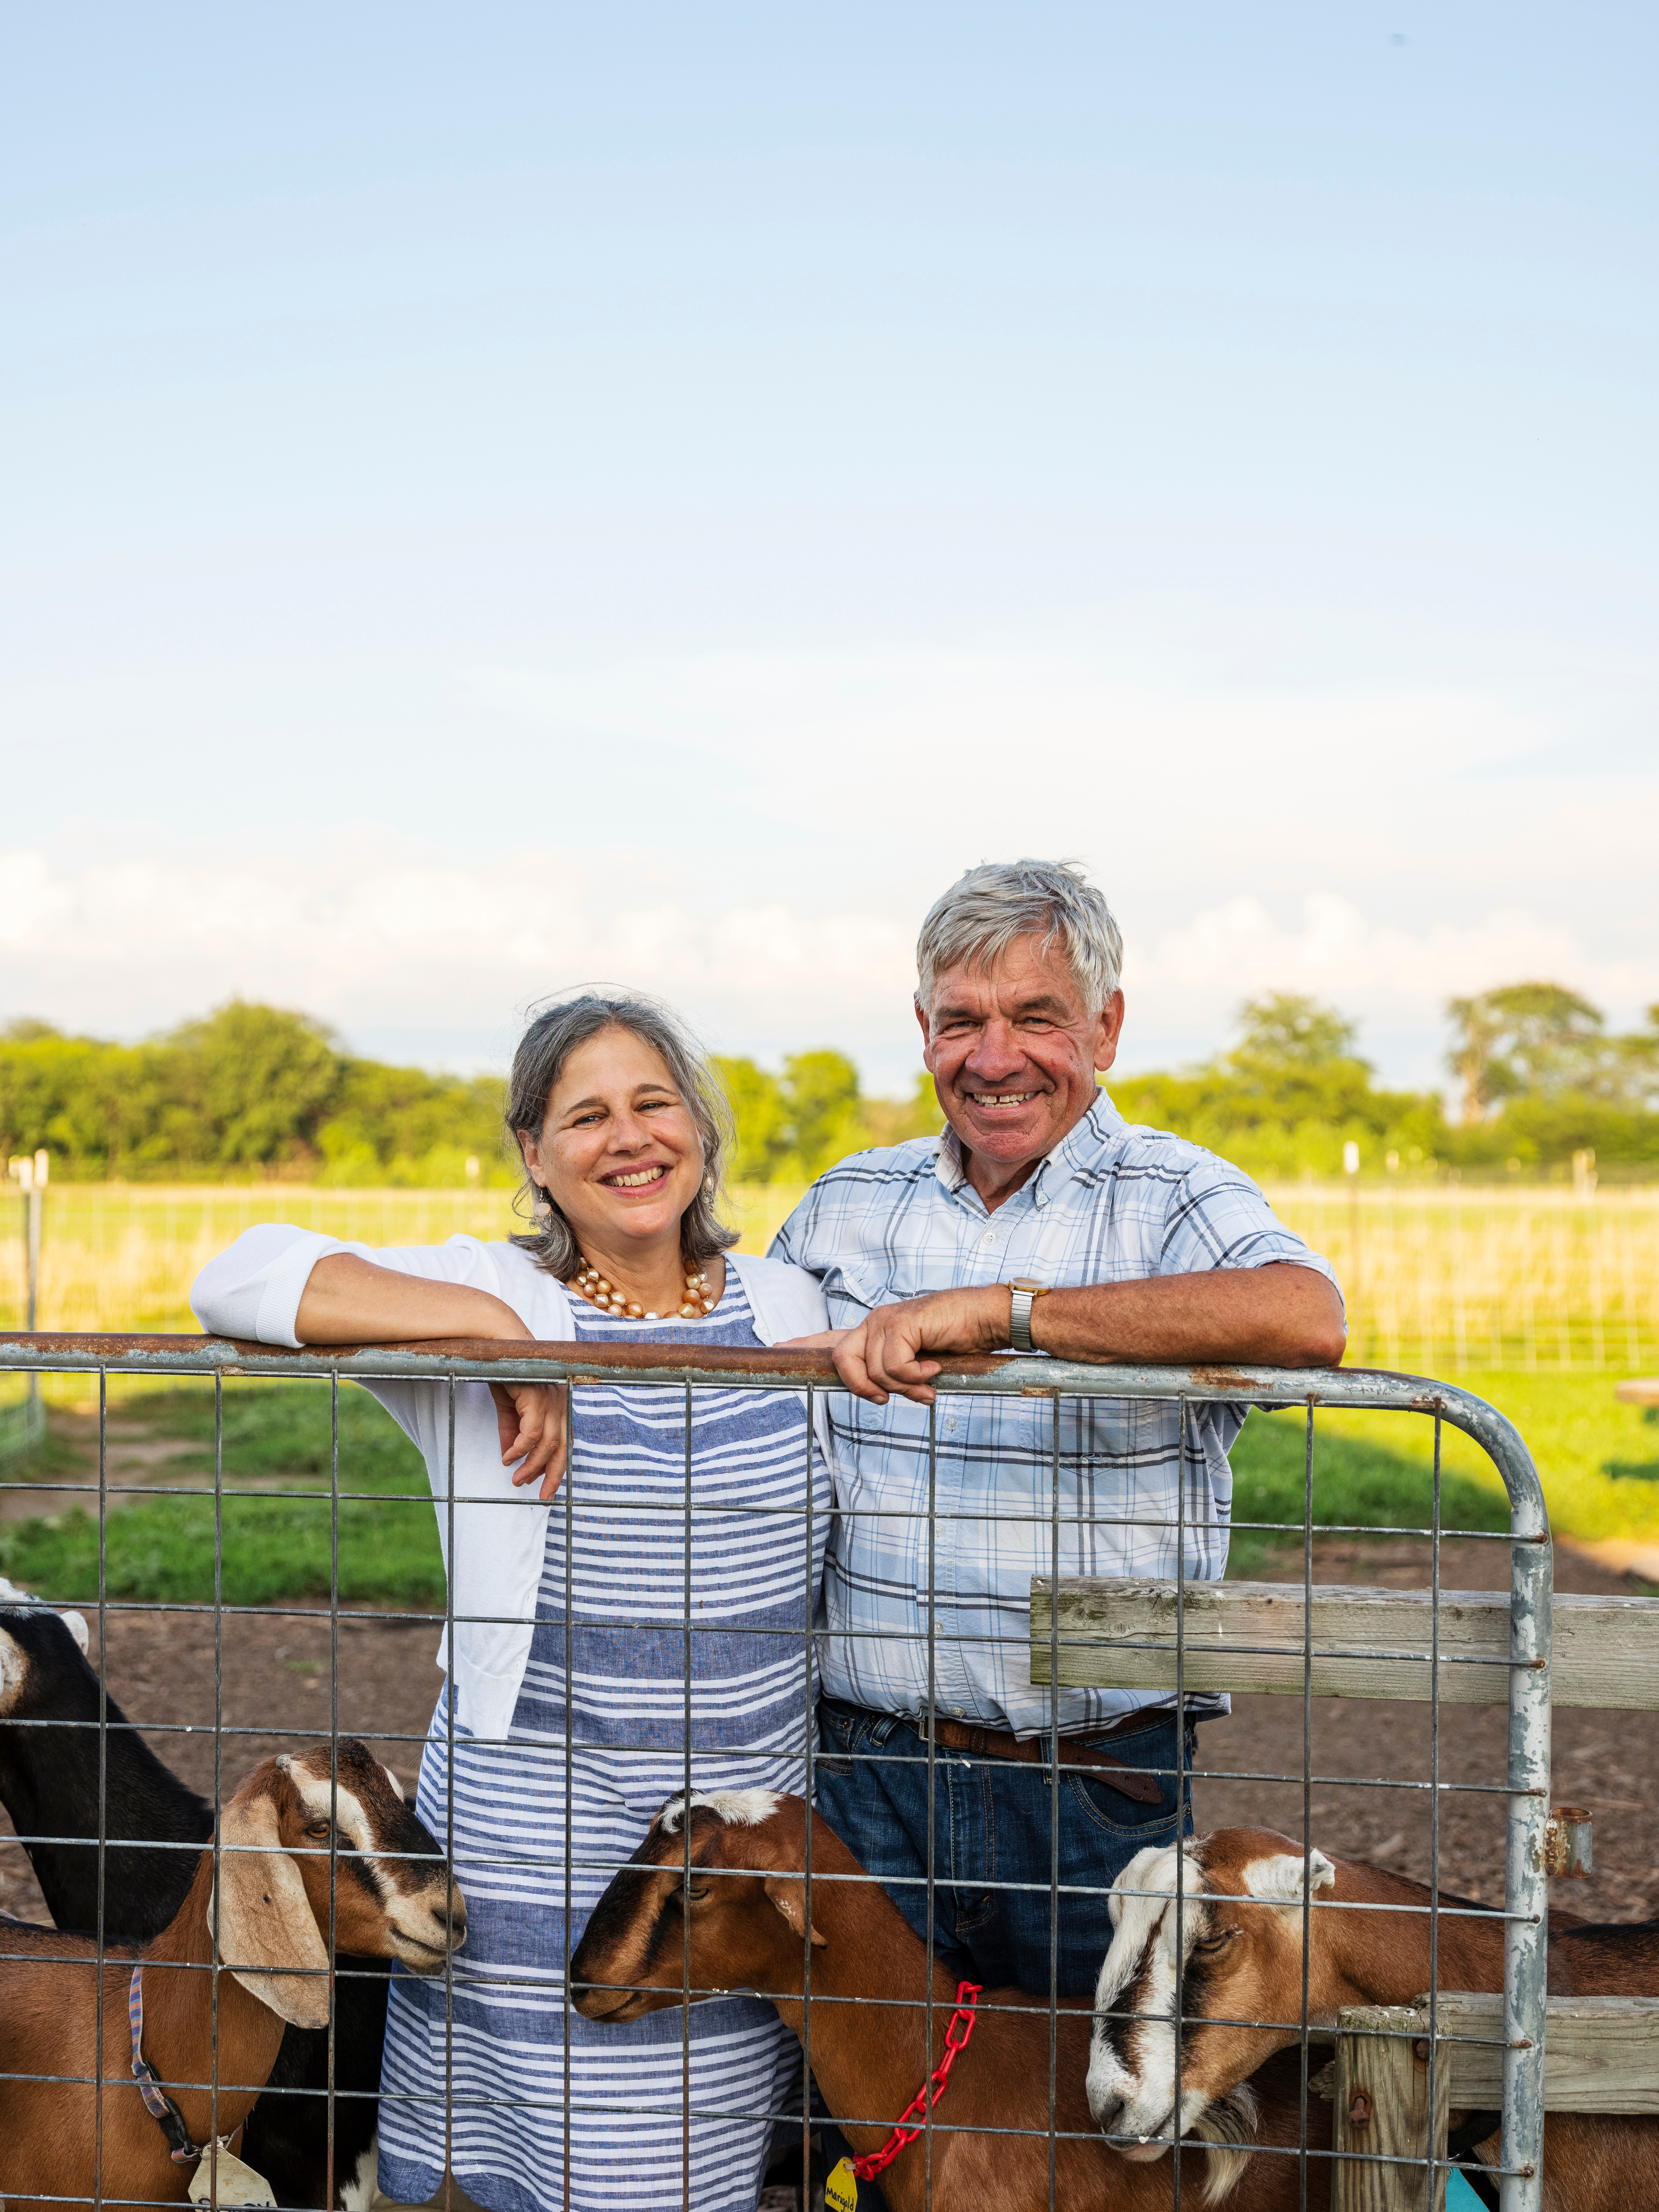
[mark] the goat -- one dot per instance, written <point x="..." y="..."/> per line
<point x="391" y="1897"/>
<point x="49" y="1785"/>
<point x="1240" y="1985"/>
<point x="744" y="1913"/>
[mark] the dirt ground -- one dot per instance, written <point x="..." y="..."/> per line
<point x="275" y="1690"/>
<point x="1607" y="1761"/>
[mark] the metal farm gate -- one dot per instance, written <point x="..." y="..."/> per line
<point x="1178" y="1639"/>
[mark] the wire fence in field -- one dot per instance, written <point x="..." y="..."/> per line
<point x="1438" y="1278"/>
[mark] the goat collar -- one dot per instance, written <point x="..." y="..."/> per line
<point x="877" y="2161"/>
<point x="172" y="2120"/>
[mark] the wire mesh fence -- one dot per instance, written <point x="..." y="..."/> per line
<point x="677" y="1973"/>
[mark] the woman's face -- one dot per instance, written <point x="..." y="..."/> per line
<point x="618" y="1152"/>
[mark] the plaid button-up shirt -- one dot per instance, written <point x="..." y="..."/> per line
<point x="1110" y="1204"/>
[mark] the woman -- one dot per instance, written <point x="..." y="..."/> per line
<point x="621" y="1127"/>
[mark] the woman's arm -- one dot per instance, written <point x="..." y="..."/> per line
<point x="347" y="1300"/>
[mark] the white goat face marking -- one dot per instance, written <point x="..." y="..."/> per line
<point x="341" y="1806"/>
<point x="1131" y="2079"/>
<point x="738" y="1808"/>
<point x="1277" y="1880"/>
<point x="11" y="1595"/>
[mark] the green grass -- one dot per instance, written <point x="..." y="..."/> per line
<point x="273" y="1546"/>
<point x="1358" y="1481"/>
<point x="1599" y="1461"/>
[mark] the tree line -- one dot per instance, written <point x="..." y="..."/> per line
<point x="1541" y="1077"/>
<point x="252" y="1089"/>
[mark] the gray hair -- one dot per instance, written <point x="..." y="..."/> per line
<point x="538" y="1063"/>
<point x="975" y="922"/>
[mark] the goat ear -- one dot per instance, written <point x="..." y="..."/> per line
<point x="267" y="1926"/>
<point x="1129" y="1878"/>
<point x="76" y="1624"/>
<point x="789" y="1893"/>
<point x="1278" y="1880"/>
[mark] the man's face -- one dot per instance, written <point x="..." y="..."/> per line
<point x="1013" y="1051"/>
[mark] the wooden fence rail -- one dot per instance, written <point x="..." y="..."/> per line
<point x="1120" y="1634"/>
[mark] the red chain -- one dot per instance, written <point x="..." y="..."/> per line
<point x="876" y="2161"/>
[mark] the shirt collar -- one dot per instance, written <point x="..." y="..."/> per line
<point x="1100" y="1127"/>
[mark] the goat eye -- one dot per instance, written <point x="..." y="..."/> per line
<point x="1216" y="1942"/>
<point x="319" y="1828"/>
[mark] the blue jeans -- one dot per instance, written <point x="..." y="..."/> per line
<point x="992" y="1824"/>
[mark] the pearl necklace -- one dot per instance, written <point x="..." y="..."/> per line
<point x="608" y="1299"/>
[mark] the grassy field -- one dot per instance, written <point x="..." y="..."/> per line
<point x="1439" y="1280"/>
<point x="1535" y="1299"/>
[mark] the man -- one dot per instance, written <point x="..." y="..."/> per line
<point x="1131" y="1245"/>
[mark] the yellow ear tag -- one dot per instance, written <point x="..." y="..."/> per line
<point x="841" y="2191"/>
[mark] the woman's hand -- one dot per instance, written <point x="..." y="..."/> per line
<point x="825" y="1340"/>
<point x="531" y="1418"/>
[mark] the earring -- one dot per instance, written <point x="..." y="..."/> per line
<point x="709" y="1186"/>
<point x="543" y="1206"/>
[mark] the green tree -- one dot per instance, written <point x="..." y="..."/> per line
<point x="1523" y="1038"/>
<point x="1286" y="1030"/>
<point x="821" y="1091"/>
<point x="261" y="1079"/>
<point x="761" y="1115"/>
<point x="895" y="1121"/>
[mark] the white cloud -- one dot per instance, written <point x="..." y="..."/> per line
<point x="381" y="938"/>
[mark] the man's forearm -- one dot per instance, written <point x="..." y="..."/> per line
<point x="348" y="1300"/>
<point x="1279" y="1316"/>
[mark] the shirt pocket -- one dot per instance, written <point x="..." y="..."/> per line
<point x="885" y="1279"/>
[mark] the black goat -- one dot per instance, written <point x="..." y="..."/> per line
<point x="49" y="1785"/>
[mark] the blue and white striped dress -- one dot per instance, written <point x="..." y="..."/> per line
<point x="754" y="1576"/>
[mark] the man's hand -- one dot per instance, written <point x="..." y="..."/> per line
<point x="887" y="1353"/>
<point x="530" y="1417"/>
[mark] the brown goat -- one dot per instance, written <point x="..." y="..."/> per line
<point x="744" y="1913"/>
<point x="277" y="1934"/>
<point x="1241" y="1986"/>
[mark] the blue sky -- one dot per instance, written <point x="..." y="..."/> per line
<point x="503" y="497"/>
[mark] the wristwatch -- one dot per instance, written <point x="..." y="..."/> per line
<point x="1023" y="1292"/>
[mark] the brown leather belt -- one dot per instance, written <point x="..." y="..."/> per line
<point x="1033" y="1751"/>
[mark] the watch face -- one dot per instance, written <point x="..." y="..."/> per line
<point x="1025" y="1283"/>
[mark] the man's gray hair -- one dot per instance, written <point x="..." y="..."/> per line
<point x="538" y="1063"/>
<point x="976" y="922"/>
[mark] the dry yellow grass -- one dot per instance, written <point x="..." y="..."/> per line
<point x="1438" y="1280"/>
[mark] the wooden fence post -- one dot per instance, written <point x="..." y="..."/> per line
<point x="1381" y="2105"/>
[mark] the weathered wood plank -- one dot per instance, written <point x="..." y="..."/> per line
<point x="1119" y="1633"/>
<point x="1600" y="2054"/>
<point x="1382" y="2108"/>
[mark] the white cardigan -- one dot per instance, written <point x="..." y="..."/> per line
<point x="252" y="1291"/>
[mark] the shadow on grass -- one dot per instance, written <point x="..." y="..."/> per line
<point x="1355" y="1484"/>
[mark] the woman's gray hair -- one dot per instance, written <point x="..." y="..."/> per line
<point x="976" y="922"/>
<point x="539" y="1061"/>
